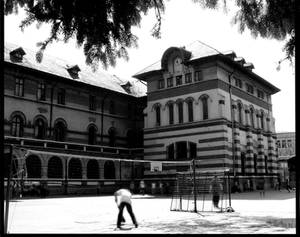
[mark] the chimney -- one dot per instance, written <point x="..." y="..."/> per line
<point x="230" y="54"/>
<point x="17" y="55"/>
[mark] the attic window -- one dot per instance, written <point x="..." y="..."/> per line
<point x="73" y="71"/>
<point x="127" y="87"/>
<point x="249" y="66"/>
<point x="17" y="54"/>
<point x="240" y="60"/>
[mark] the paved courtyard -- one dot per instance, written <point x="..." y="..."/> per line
<point x="273" y="214"/>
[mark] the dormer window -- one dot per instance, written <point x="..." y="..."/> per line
<point x="249" y="66"/>
<point x="240" y="60"/>
<point x="73" y="71"/>
<point x="17" y="54"/>
<point x="127" y="87"/>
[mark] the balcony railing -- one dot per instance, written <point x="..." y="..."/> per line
<point x="38" y="143"/>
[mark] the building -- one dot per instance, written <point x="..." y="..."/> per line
<point x="286" y="147"/>
<point x="190" y="93"/>
<point x="200" y="105"/>
<point x="56" y="107"/>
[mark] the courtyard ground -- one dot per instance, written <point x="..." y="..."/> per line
<point x="273" y="214"/>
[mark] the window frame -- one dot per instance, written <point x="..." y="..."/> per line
<point x="61" y="96"/>
<point x="198" y="75"/>
<point x="161" y="83"/>
<point x="170" y="82"/>
<point x="179" y="80"/>
<point x="19" y="87"/>
<point x="92" y="102"/>
<point x="188" y="78"/>
<point x="41" y="92"/>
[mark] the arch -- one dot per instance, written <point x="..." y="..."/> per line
<point x="109" y="170"/>
<point x="190" y="110"/>
<point x="33" y="166"/>
<point x="179" y="103"/>
<point x="60" y="130"/>
<point x="154" y="106"/>
<point x="181" y="52"/>
<point x="203" y="96"/>
<point x="17" y="125"/>
<point x="189" y="99"/>
<point x="55" y="167"/>
<point x="75" y="169"/>
<point x="252" y="114"/>
<point x="92" y="169"/>
<point x="171" y="112"/>
<point x="92" y="134"/>
<point x="112" y="136"/>
<point x="40" y="126"/>
<point x="19" y="113"/>
<point x="169" y="102"/>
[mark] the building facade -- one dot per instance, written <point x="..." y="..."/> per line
<point x="286" y="149"/>
<point x="61" y="109"/>
<point x="210" y="106"/>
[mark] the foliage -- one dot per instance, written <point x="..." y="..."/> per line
<point x="103" y="27"/>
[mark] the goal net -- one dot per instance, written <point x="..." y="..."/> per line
<point x="194" y="191"/>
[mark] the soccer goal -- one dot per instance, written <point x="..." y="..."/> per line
<point x="193" y="191"/>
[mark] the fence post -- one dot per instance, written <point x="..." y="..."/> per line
<point x="195" y="194"/>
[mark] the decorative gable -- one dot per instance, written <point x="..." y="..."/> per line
<point x="174" y="58"/>
<point x="17" y="54"/>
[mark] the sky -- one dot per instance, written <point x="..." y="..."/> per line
<point x="183" y="23"/>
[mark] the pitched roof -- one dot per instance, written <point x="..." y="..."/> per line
<point x="58" y="67"/>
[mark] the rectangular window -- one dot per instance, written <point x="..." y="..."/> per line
<point x="181" y="150"/>
<point x="260" y="94"/>
<point x="289" y="143"/>
<point x="161" y="83"/>
<point x="112" y="107"/>
<point x="188" y="77"/>
<point x="92" y="102"/>
<point x="198" y="76"/>
<point x="283" y="143"/>
<point x="278" y="144"/>
<point x="178" y="80"/>
<point x="41" y="93"/>
<point x="19" y="87"/>
<point x="170" y="82"/>
<point x="238" y="83"/>
<point x="190" y="111"/>
<point x="249" y="88"/>
<point x="61" y="94"/>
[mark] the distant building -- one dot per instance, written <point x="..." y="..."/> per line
<point x="190" y="93"/>
<point x="286" y="147"/>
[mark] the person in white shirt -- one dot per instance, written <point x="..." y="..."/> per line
<point x="123" y="199"/>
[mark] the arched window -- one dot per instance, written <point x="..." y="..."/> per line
<point x="60" y="131"/>
<point x="181" y="150"/>
<point x="17" y="126"/>
<point x="33" y="166"/>
<point x="240" y="115"/>
<point x="92" y="169"/>
<point x="109" y="170"/>
<point x="55" y="167"/>
<point x="190" y="110"/>
<point x="252" y="117"/>
<point x="74" y="169"/>
<point x="171" y="113"/>
<point x="92" y="135"/>
<point x="255" y="163"/>
<point x="40" y="128"/>
<point x="262" y="120"/>
<point x="204" y="107"/>
<point x="180" y="111"/>
<point x="112" y="136"/>
<point x="266" y="164"/>
<point x="243" y="160"/>
<point x="157" y="115"/>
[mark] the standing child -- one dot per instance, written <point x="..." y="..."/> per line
<point x="123" y="199"/>
<point x="215" y="188"/>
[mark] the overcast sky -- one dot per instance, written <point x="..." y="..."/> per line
<point x="183" y="23"/>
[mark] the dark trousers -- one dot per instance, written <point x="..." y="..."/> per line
<point x="120" y="215"/>
<point x="216" y="198"/>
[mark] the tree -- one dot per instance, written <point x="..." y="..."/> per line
<point x="103" y="27"/>
<point x="274" y="19"/>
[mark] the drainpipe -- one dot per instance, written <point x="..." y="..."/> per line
<point x="232" y="123"/>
